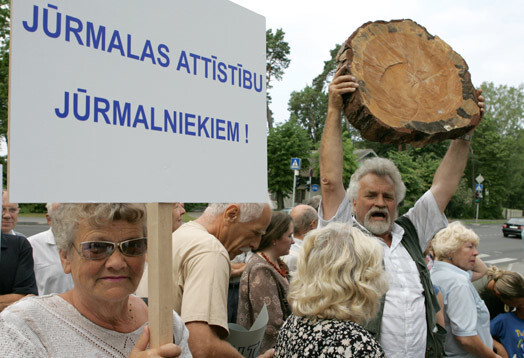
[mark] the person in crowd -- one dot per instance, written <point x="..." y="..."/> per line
<point x="314" y="202"/>
<point x="405" y="324"/>
<point x="466" y="315"/>
<point x="507" y="329"/>
<point x="338" y="285"/>
<point x="177" y="213"/>
<point x="265" y="280"/>
<point x="238" y="265"/>
<point x="49" y="274"/>
<point x="17" y="276"/>
<point x="305" y="219"/>
<point x="176" y="222"/>
<point x="103" y="246"/>
<point x="9" y="216"/>
<point x="202" y="250"/>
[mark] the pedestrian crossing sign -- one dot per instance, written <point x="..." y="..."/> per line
<point x="295" y="163"/>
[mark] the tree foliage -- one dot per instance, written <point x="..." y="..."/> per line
<point x="277" y="60"/>
<point x="4" y="64"/>
<point x="309" y="108"/>
<point x="285" y="141"/>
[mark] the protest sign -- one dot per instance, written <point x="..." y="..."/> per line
<point x="133" y="101"/>
<point x="247" y="342"/>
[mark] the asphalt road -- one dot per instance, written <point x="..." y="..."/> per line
<point x="495" y="249"/>
<point x="31" y="229"/>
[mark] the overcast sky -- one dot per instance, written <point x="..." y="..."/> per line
<point x="489" y="35"/>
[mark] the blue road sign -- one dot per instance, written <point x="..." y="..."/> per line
<point x="314" y="187"/>
<point x="295" y="163"/>
<point x="478" y="187"/>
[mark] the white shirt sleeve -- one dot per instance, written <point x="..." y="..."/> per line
<point x="343" y="214"/>
<point x="427" y="218"/>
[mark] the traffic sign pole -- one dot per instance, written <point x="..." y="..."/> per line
<point x="294" y="187"/>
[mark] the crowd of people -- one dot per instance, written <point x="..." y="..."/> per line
<point x="343" y="277"/>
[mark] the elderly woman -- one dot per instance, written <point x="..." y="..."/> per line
<point x="506" y="327"/>
<point x="337" y="286"/>
<point x="265" y="280"/>
<point x="466" y="315"/>
<point x="103" y="246"/>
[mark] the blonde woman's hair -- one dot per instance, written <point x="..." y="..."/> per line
<point x="340" y="275"/>
<point x="509" y="284"/>
<point x="451" y="238"/>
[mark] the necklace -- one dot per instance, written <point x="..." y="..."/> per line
<point x="281" y="270"/>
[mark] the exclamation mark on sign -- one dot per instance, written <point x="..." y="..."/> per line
<point x="247" y="140"/>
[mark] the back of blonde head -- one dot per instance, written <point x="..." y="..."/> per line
<point x="508" y="284"/>
<point x="339" y="276"/>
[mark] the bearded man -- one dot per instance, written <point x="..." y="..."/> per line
<point x="405" y="324"/>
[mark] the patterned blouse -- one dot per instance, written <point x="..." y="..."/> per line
<point x="305" y="337"/>
<point x="262" y="284"/>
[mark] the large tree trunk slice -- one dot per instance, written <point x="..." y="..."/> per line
<point x="413" y="87"/>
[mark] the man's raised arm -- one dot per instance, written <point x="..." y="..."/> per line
<point x="331" y="152"/>
<point x="450" y="170"/>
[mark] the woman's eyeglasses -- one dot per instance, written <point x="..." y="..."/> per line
<point x="98" y="250"/>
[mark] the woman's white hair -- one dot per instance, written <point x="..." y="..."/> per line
<point x="66" y="218"/>
<point x="248" y="211"/>
<point x="451" y="238"/>
<point x="339" y="275"/>
<point x="381" y="167"/>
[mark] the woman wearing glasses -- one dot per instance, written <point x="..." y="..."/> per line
<point x="103" y="246"/>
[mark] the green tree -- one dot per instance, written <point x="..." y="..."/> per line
<point x="285" y="141"/>
<point x="309" y="108"/>
<point x="277" y="60"/>
<point x="505" y="116"/>
<point x="350" y="159"/>
<point x="4" y="64"/>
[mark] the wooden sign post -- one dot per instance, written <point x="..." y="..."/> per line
<point x="160" y="272"/>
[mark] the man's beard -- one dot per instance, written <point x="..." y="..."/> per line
<point x="377" y="227"/>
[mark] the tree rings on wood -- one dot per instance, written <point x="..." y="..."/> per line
<point x="413" y="88"/>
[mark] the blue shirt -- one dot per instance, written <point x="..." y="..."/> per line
<point x="508" y="329"/>
<point x="465" y="312"/>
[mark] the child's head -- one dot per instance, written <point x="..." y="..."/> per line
<point x="508" y="286"/>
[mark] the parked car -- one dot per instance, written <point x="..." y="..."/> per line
<point x="513" y="226"/>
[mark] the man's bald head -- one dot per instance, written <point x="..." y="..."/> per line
<point x="305" y="218"/>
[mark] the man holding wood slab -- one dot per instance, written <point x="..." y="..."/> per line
<point x="202" y="250"/>
<point x="405" y="325"/>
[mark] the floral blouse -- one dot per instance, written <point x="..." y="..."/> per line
<point x="305" y="337"/>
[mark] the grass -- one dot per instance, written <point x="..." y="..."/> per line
<point x="38" y="215"/>
<point x="186" y="217"/>
<point x="480" y="221"/>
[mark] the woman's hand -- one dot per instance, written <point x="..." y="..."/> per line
<point x="164" y="351"/>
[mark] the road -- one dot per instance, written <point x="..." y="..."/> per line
<point x="495" y="249"/>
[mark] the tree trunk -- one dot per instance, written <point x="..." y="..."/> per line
<point x="413" y="88"/>
<point x="269" y="117"/>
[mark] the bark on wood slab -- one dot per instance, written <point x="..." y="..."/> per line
<point x="413" y="87"/>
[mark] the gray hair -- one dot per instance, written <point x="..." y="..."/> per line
<point x="248" y="211"/>
<point x="67" y="217"/>
<point x="49" y="207"/>
<point x="303" y="222"/>
<point x="381" y="167"/>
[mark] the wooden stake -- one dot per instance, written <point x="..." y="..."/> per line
<point x="160" y="271"/>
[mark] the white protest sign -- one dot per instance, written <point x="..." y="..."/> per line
<point x="137" y="101"/>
